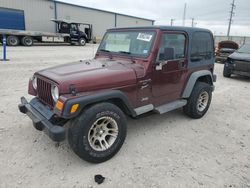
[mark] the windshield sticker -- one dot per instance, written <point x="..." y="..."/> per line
<point x="144" y="37"/>
<point x="145" y="51"/>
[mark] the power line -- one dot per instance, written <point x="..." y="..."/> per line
<point x="231" y="17"/>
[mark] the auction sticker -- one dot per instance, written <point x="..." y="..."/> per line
<point x="144" y="37"/>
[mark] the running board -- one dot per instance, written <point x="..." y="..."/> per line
<point x="170" y="106"/>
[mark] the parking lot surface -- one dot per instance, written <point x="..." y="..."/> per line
<point x="169" y="150"/>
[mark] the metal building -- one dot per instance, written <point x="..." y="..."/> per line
<point x="36" y="15"/>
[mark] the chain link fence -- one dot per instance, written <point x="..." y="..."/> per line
<point x="237" y="39"/>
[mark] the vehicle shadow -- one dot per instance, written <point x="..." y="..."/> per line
<point x="241" y="78"/>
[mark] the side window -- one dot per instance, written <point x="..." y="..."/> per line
<point x="202" y="46"/>
<point x="172" y="47"/>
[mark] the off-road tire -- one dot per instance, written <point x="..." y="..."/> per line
<point x="82" y="41"/>
<point x="192" y="108"/>
<point x="27" y="41"/>
<point x="226" y="72"/>
<point x="13" y="41"/>
<point x="79" y="130"/>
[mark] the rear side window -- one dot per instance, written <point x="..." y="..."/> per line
<point x="202" y="46"/>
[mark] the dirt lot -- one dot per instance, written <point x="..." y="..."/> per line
<point x="169" y="150"/>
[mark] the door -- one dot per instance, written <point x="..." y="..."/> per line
<point x="168" y="80"/>
<point x="12" y="19"/>
<point x="74" y="31"/>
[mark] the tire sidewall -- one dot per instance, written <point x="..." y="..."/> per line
<point x="24" y="41"/>
<point x="11" y="38"/>
<point x="85" y="122"/>
<point x="81" y="41"/>
<point x="226" y="71"/>
<point x="208" y="90"/>
<point x="190" y="108"/>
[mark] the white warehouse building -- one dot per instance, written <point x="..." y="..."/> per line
<point x="36" y="15"/>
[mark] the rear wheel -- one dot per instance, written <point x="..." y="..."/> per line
<point x="27" y="41"/>
<point x="199" y="101"/>
<point x="98" y="133"/>
<point x="82" y="41"/>
<point x="13" y="41"/>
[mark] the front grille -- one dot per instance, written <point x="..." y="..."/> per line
<point x="242" y="66"/>
<point x="44" y="92"/>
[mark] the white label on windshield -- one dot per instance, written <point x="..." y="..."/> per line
<point x="144" y="37"/>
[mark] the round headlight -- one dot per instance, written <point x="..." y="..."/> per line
<point x="34" y="82"/>
<point x="55" y="92"/>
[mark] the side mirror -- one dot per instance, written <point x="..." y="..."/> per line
<point x="168" y="54"/>
<point x="158" y="65"/>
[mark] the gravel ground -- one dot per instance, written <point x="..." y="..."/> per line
<point x="169" y="150"/>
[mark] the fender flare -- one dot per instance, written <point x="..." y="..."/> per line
<point x="192" y="80"/>
<point x="84" y="101"/>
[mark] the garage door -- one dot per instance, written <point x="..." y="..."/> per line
<point x="11" y="19"/>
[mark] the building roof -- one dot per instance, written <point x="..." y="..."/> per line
<point x="101" y="10"/>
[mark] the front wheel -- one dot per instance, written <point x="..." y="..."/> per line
<point x="98" y="133"/>
<point x="199" y="101"/>
<point x="226" y="72"/>
<point x="82" y="41"/>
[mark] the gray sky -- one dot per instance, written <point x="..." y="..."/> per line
<point x="211" y="14"/>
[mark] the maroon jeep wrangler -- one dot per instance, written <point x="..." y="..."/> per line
<point x="135" y="71"/>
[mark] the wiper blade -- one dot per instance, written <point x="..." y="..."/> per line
<point x="124" y="52"/>
<point x="103" y="50"/>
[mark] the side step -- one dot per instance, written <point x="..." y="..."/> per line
<point x="170" y="106"/>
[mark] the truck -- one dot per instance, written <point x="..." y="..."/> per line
<point x="135" y="71"/>
<point x="67" y="32"/>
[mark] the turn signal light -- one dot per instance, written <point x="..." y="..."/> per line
<point x="59" y="105"/>
<point x="74" y="108"/>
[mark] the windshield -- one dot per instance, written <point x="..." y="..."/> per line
<point x="245" y="49"/>
<point x="137" y="43"/>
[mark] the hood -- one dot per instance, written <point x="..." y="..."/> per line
<point x="89" y="75"/>
<point x="228" y="44"/>
<point x="240" y="56"/>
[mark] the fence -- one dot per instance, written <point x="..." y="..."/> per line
<point x="237" y="39"/>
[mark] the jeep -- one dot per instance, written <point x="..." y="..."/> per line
<point x="135" y="71"/>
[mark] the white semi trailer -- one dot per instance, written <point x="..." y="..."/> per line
<point x="68" y="32"/>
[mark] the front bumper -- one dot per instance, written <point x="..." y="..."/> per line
<point x="221" y="58"/>
<point x="41" y="116"/>
<point x="233" y="69"/>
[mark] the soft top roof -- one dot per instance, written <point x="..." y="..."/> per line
<point x="170" y="28"/>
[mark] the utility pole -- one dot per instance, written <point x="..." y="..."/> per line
<point x="231" y="17"/>
<point x="184" y="14"/>
<point x="192" y="22"/>
<point x="172" y="22"/>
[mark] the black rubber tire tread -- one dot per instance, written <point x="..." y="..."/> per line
<point x="190" y="108"/>
<point x="23" y="42"/>
<point x="9" y="41"/>
<point x="226" y="72"/>
<point x="79" y="128"/>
